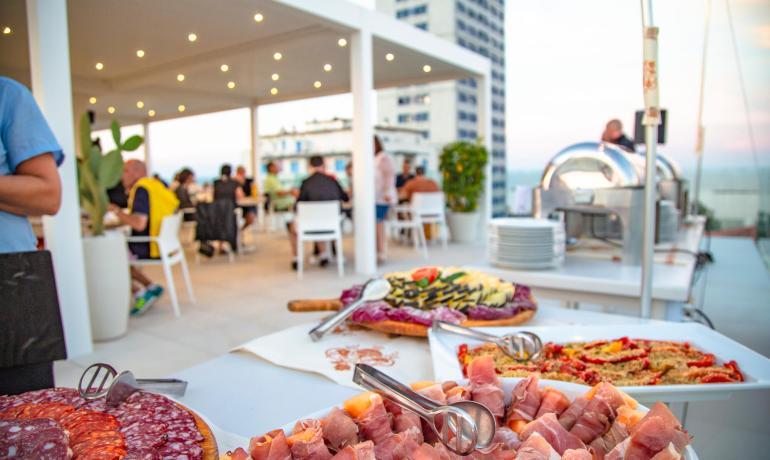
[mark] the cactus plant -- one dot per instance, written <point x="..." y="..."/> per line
<point x="98" y="172"/>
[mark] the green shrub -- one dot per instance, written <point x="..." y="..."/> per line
<point x="462" y="165"/>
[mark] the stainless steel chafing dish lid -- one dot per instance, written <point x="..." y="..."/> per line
<point x="592" y="165"/>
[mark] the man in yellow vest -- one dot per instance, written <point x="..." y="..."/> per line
<point x="149" y="201"/>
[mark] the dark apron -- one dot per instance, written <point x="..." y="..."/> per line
<point x="31" y="334"/>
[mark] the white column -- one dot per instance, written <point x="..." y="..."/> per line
<point x="485" y="132"/>
<point x="146" y="145"/>
<point x="51" y="85"/>
<point x="361" y="82"/>
<point x="256" y="164"/>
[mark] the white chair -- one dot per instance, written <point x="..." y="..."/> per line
<point x="402" y="217"/>
<point x="430" y="208"/>
<point x="171" y="253"/>
<point x="318" y="221"/>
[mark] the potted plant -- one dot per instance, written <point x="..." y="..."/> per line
<point x="106" y="258"/>
<point x="462" y="166"/>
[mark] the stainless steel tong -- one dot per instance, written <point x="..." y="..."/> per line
<point x="463" y="427"/>
<point x="374" y="289"/>
<point x="521" y="346"/>
<point x="103" y="380"/>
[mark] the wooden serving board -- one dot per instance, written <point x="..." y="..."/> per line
<point x="308" y="305"/>
<point x="209" y="443"/>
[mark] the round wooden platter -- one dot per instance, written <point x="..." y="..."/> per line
<point x="209" y="443"/>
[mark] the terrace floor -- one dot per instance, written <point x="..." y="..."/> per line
<point x="247" y="298"/>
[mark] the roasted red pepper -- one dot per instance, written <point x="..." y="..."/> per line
<point x="737" y="374"/>
<point x="707" y="361"/>
<point x="716" y="378"/>
<point x="615" y="359"/>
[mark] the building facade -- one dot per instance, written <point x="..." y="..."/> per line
<point x="332" y="140"/>
<point x="447" y="111"/>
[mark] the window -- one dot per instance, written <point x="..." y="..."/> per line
<point x="421" y="9"/>
<point x="400" y="14"/>
<point x="472" y="82"/>
<point x="421" y="116"/>
<point x="462" y="115"/>
<point x="422" y="25"/>
<point x="462" y="43"/>
<point x="460" y="7"/>
<point x="403" y="100"/>
<point x="472" y="117"/>
<point x="422" y="99"/>
<point x="404" y="118"/>
<point x="339" y="164"/>
<point x="294" y="167"/>
<point x="460" y="24"/>
<point x="298" y="146"/>
<point x="462" y="97"/>
<point x="472" y="99"/>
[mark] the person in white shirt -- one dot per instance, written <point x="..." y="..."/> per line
<point x="384" y="192"/>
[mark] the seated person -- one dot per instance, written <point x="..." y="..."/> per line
<point x="319" y="186"/>
<point x="419" y="184"/>
<point x="226" y="187"/>
<point x="245" y="183"/>
<point x="149" y="201"/>
<point x="184" y="181"/>
<point x="405" y="175"/>
<point x="613" y="133"/>
<point x="281" y="198"/>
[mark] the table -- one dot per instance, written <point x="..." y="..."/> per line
<point x="602" y="281"/>
<point x="245" y="395"/>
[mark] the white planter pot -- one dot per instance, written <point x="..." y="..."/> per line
<point x="109" y="284"/>
<point x="464" y="226"/>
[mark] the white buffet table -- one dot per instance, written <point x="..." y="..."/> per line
<point x="248" y="396"/>
<point x="602" y="280"/>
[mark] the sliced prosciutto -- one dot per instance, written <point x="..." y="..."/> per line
<point x="433" y="391"/>
<point x="599" y="413"/>
<point x="619" y="451"/>
<point x="552" y="401"/>
<point x="396" y="447"/>
<point x="486" y="388"/>
<point x="404" y="419"/>
<point x="525" y="402"/>
<point x="360" y="451"/>
<point x="270" y="446"/>
<point x="568" y="418"/>
<point x="368" y="411"/>
<point x="577" y="454"/>
<point x="654" y="433"/>
<point x="669" y="453"/>
<point x="339" y="430"/>
<point x="549" y="428"/>
<point x="425" y="452"/>
<point x="616" y="434"/>
<point x="458" y="393"/>
<point x="306" y="441"/>
<point x="536" y="448"/>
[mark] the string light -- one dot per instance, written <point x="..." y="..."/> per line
<point x="327" y="67"/>
<point x="92" y="100"/>
<point x="231" y="84"/>
<point x="224" y="67"/>
<point x="99" y="66"/>
<point x="140" y="53"/>
<point x="342" y="42"/>
<point x="111" y="109"/>
<point x="273" y="91"/>
<point x="258" y="17"/>
<point x="277" y="56"/>
<point x="317" y="84"/>
<point x="180" y="77"/>
<point x="139" y="104"/>
<point x="181" y="108"/>
<point x="192" y="37"/>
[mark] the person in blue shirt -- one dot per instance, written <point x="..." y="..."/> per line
<point x="29" y="186"/>
<point x="29" y="156"/>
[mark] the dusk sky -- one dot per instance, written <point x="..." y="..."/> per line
<point x="571" y="66"/>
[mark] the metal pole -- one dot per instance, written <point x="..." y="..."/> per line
<point x="700" y="128"/>
<point x="651" y="120"/>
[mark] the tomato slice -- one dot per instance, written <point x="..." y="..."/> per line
<point x="427" y="273"/>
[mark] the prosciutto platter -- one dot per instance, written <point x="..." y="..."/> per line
<point x="536" y="420"/>
<point x="57" y="424"/>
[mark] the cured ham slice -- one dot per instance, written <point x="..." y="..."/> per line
<point x="616" y="434"/>
<point x="270" y="446"/>
<point x="568" y="418"/>
<point x="552" y="401"/>
<point x="434" y="392"/>
<point x="549" y="428"/>
<point x="486" y="388"/>
<point x="619" y="451"/>
<point x="457" y="393"/>
<point x="536" y="448"/>
<point x="654" y="433"/>
<point x="525" y="402"/>
<point x="339" y="430"/>
<point x="396" y="447"/>
<point x="368" y="411"/>
<point x="669" y="453"/>
<point x="306" y="441"/>
<point x="577" y="454"/>
<point x="507" y="438"/>
<point x="360" y="451"/>
<point x="425" y="452"/>
<point x="239" y="454"/>
<point x="599" y="413"/>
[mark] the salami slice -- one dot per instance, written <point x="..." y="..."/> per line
<point x="42" y="439"/>
<point x="142" y="454"/>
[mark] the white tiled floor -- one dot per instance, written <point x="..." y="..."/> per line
<point x="247" y="299"/>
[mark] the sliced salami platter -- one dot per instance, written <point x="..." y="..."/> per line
<point x="58" y="424"/>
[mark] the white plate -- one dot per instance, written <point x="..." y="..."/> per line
<point x="518" y="265"/>
<point x="571" y="390"/>
<point x="755" y="367"/>
<point x="515" y="222"/>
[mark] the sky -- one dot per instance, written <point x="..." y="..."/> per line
<point x="571" y="66"/>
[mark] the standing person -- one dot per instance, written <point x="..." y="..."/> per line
<point x="29" y="186"/>
<point x="613" y="133"/>
<point x="319" y="186"/>
<point x="246" y="183"/>
<point x="149" y="201"/>
<point x="384" y="192"/>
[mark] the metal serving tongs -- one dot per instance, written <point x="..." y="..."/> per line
<point x="521" y="346"/>
<point x="119" y="386"/>
<point x="374" y="289"/>
<point x="463" y="427"/>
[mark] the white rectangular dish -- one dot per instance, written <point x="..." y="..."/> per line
<point x="755" y="367"/>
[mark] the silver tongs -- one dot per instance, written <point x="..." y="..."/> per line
<point x="463" y="427"/>
<point x="521" y="346"/>
<point x="374" y="289"/>
<point x="119" y="386"/>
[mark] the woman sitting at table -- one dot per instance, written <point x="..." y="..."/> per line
<point x="185" y="179"/>
<point x="245" y="184"/>
<point x="227" y="188"/>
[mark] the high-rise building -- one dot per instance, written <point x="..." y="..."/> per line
<point x="447" y="111"/>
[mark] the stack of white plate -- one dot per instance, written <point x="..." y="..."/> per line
<point x="668" y="221"/>
<point x="525" y="243"/>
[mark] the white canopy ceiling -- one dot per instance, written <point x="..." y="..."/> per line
<point x="305" y="32"/>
